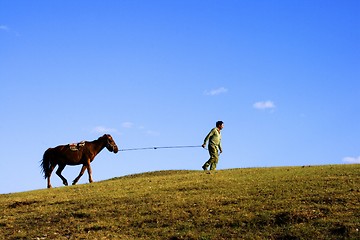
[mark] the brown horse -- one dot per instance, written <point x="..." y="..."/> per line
<point x="83" y="154"/>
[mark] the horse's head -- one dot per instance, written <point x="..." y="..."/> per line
<point x="110" y="144"/>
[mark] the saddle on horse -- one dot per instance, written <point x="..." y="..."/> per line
<point x="76" y="146"/>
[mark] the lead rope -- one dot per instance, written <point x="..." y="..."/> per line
<point x="154" y="148"/>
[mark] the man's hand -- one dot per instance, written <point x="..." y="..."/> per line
<point x="203" y="145"/>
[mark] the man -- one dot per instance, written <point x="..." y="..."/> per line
<point x="214" y="138"/>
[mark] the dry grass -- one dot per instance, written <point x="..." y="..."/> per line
<point x="268" y="203"/>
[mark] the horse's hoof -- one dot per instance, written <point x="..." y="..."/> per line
<point x="66" y="183"/>
<point x="74" y="183"/>
<point x="49" y="186"/>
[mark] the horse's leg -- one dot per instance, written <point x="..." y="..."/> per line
<point x="58" y="172"/>
<point x="49" y="175"/>
<point x="80" y="174"/>
<point x="90" y="174"/>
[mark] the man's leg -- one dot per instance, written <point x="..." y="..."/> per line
<point x="213" y="158"/>
<point x="214" y="162"/>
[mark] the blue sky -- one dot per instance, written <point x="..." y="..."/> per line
<point x="284" y="76"/>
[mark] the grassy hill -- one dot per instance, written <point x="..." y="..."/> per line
<point x="318" y="202"/>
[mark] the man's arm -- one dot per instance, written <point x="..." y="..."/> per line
<point x="207" y="138"/>
<point x="220" y="147"/>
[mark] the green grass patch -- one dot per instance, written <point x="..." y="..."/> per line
<point x="319" y="202"/>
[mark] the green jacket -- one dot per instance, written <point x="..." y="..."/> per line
<point x="214" y="138"/>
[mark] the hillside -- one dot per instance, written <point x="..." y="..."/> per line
<point x="320" y="202"/>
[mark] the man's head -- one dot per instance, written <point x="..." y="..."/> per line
<point x="220" y="124"/>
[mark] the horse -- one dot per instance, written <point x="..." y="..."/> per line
<point x="83" y="153"/>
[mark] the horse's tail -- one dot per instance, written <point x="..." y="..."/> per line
<point x="45" y="163"/>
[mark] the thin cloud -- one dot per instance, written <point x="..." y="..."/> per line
<point x="103" y="130"/>
<point x="152" y="133"/>
<point x="215" y="92"/>
<point x="142" y="129"/>
<point x="351" y="160"/>
<point x="264" y="105"/>
<point x="127" y="124"/>
<point x="3" y="27"/>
